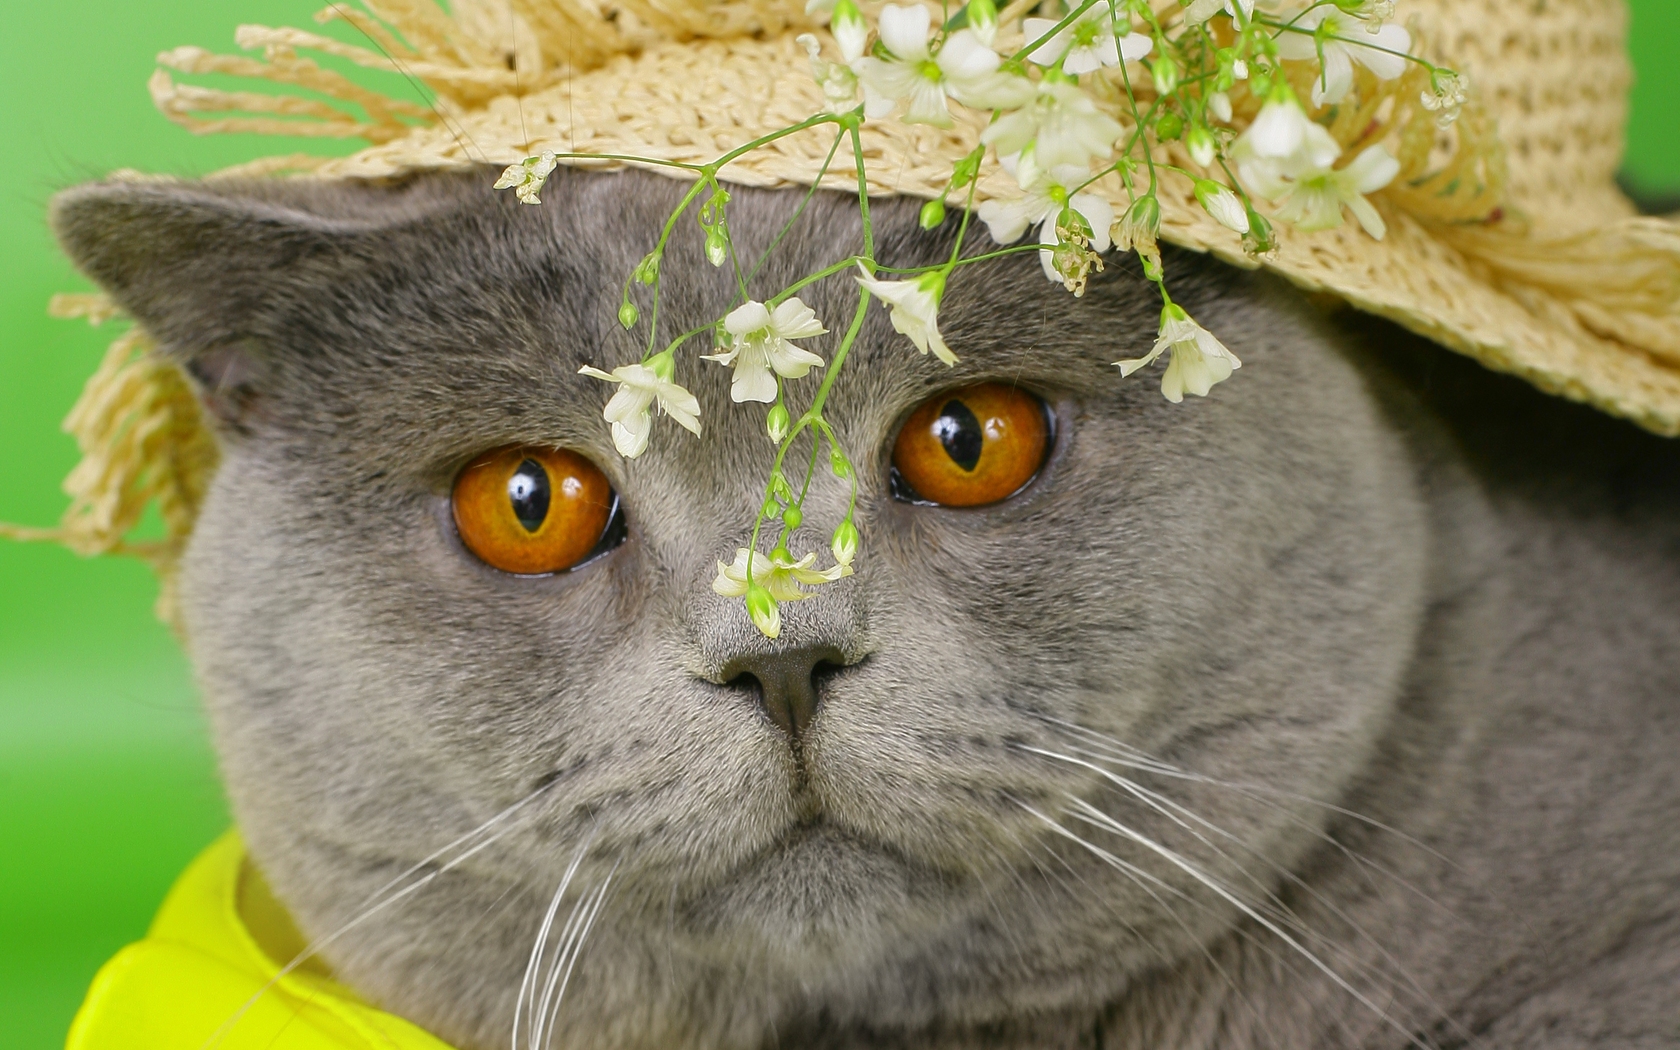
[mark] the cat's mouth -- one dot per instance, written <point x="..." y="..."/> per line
<point x="819" y="882"/>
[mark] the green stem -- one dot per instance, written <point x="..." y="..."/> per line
<point x="1072" y="17"/>
<point x="806" y="200"/>
<point x="863" y="196"/>
<point x="812" y="278"/>
<point x="763" y="140"/>
<point x="962" y="230"/>
<point x="664" y="236"/>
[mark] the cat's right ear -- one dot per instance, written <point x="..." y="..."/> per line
<point x="206" y="267"/>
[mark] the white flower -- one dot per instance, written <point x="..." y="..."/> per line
<point x="761" y="346"/>
<point x="1446" y="95"/>
<point x="915" y="309"/>
<point x="1063" y="123"/>
<point x="628" y="410"/>
<point x="776" y="574"/>
<point x="1041" y="204"/>
<point x="965" y="69"/>
<point x="1219" y="202"/>
<point x="1279" y="130"/>
<point x="527" y="177"/>
<point x="839" y="84"/>
<point x="1311" y="192"/>
<point x="1088" y="43"/>
<point x="1341" y="34"/>
<point x="1202" y="10"/>
<point x="1198" y="359"/>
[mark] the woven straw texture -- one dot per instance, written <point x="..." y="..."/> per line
<point x="1516" y="248"/>
<point x="1507" y="239"/>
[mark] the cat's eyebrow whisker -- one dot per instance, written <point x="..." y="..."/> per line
<point x="1108" y="823"/>
<point x="373" y="904"/>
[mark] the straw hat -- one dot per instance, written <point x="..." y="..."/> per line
<point x="1507" y="239"/>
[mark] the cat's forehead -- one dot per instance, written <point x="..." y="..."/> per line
<point x="474" y="314"/>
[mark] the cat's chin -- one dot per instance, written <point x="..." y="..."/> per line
<point x="818" y="889"/>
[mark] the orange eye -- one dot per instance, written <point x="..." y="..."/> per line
<point x="972" y="446"/>
<point x="531" y="510"/>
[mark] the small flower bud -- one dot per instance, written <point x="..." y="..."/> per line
<point x="647" y="271"/>
<point x="793" y="517"/>
<point x="965" y="171"/>
<point x="849" y="29"/>
<point x="1137" y="230"/>
<point x="1222" y="204"/>
<point x="780" y="488"/>
<point x="838" y="463"/>
<point x="772" y="508"/>
<point x="1165" y="72"/>
<point x="717" y="246"/>
<point x="933" y="215"/>
<point x="1219" y="105"/>
<point x="776" y="423"/>
<point x="1168" y="126"/>
<point x="1200" y="142"/>
<point x="765" y="614"/>
<point x="1258" y="240"/>
<point x="1227" y="59"/>
<point x="844" y="545"/>
<point x="628" y="314"/>
<point x="983" y="19"/>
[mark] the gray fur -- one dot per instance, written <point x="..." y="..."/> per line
<point x="1363" y="577"/>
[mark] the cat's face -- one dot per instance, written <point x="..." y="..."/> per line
<point x="1228" y="585"/>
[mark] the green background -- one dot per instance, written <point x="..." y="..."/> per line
<point x="107" y="786"/>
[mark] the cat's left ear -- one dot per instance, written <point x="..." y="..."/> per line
<point x="208" y="267"/>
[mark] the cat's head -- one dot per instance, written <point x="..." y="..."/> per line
<point x="963" y="824"/>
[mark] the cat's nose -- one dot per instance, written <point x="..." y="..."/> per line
<point x="786" y="681"/>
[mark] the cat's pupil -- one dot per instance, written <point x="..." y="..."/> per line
<point x="959" y="431"/>
<point x="528" y="492"/>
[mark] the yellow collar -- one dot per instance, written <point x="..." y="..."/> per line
<point x="205" y="976"/>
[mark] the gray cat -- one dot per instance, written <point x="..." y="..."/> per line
<point x="1341" y="708"/>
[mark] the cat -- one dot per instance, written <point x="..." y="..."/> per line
<point x="1340" y="708"/>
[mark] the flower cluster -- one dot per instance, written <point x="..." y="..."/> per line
<point x="1085" y="114"/>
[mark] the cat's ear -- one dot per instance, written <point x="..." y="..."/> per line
<point x="206" y="267"/>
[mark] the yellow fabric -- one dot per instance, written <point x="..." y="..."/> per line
<point x="201" y="980"/>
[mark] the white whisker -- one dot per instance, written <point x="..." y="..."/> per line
<point x="1103" y="820"/>
<point x="1169" y="807"/>
<point x="527" y="986"/>
<point x="1143" y="880"/>
<point x="373" y="905"/>
<point x="571" y="950"/>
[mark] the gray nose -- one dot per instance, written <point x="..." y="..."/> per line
<point x="786" y="681"/>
